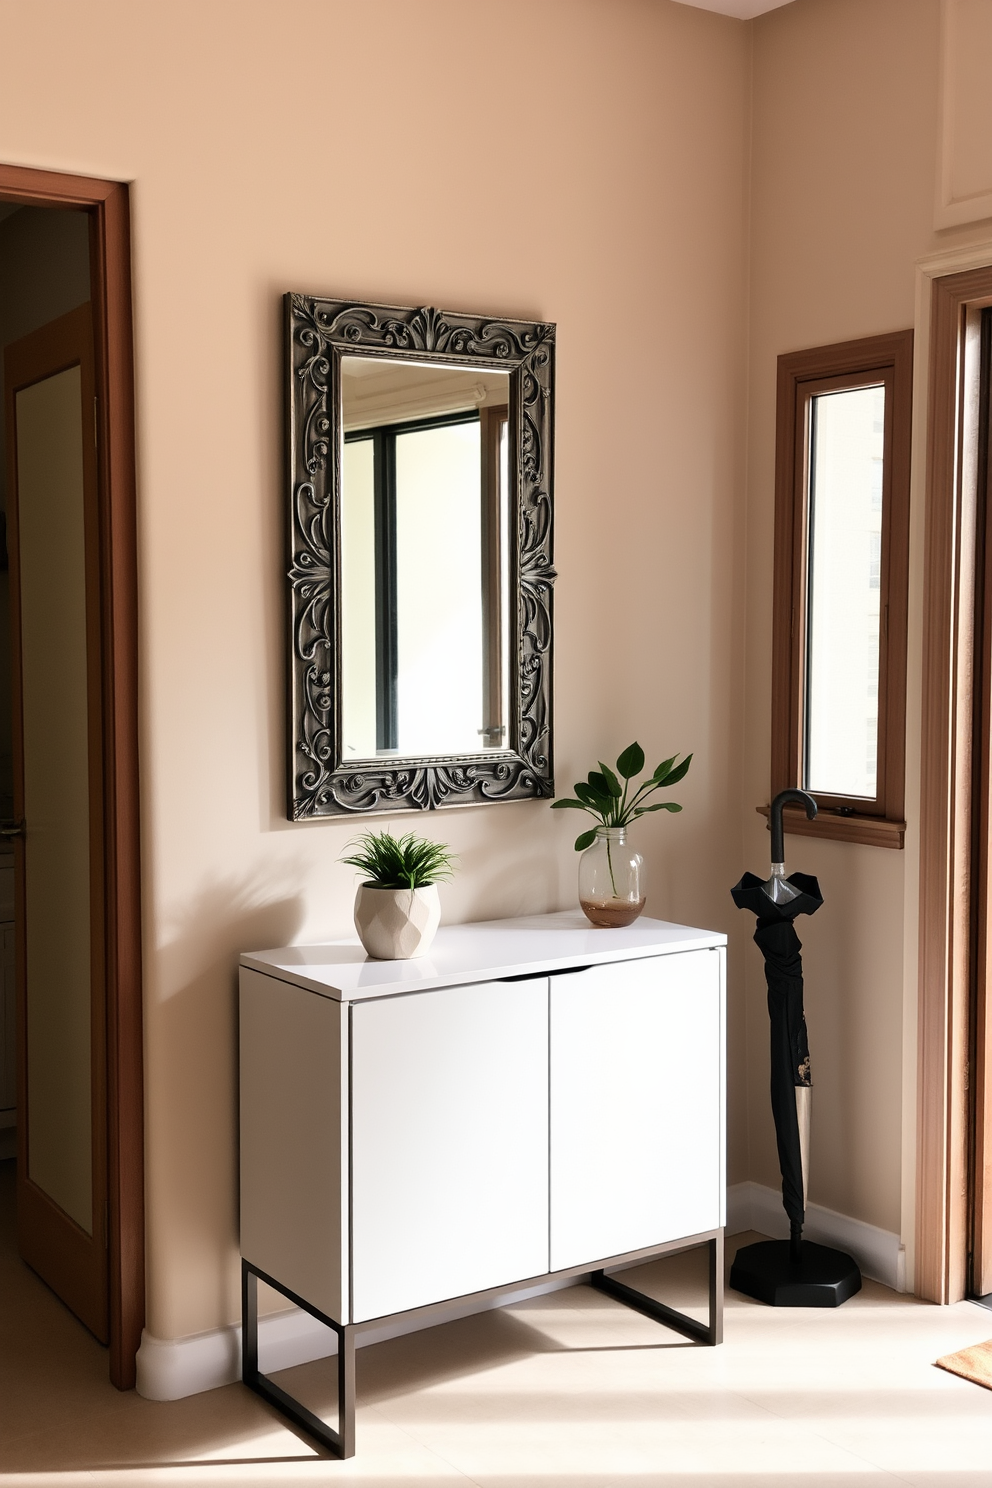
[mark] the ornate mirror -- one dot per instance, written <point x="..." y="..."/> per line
<point x="421" y="547"/>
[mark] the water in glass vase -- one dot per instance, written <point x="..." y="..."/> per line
<point x="611" y="880"/>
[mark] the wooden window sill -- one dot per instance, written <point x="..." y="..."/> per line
<point x="871" y="831"/>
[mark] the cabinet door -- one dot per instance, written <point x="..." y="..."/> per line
<point x="636" y="1105"/>
<point x="449" y="1143"/>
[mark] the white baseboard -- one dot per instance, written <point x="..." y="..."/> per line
<point x="169" y="1369"/>
<point x="879" y="1253"/>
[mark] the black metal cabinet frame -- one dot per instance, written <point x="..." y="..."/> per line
<point x="340" y="1442"/>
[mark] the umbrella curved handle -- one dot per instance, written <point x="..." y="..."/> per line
<point x="778" y="830"/>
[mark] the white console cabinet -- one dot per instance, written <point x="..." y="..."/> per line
<point x="535" y="1097"/>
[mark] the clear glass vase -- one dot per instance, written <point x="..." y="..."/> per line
<point x="611" y="880"/>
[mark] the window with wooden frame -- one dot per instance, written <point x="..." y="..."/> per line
<point x="841" y="572"/>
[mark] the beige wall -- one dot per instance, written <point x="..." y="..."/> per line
<point x="347" y="147"/>
<point x="617" y="207"/>
<point x="844" y="156"/>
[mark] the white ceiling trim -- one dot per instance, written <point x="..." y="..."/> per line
<point x="744" y="10"/>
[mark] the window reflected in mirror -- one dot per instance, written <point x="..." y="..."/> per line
<point x="844" y="548"/>
<point x="425" y="548"/>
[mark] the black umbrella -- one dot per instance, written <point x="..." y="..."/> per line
<point x="788" y="1273"/>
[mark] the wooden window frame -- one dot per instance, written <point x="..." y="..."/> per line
<point x="879" y="822"/>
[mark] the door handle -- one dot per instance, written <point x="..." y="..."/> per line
<point x="12" y="829"/>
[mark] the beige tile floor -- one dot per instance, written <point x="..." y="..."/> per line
<point x="565" y="1391"/>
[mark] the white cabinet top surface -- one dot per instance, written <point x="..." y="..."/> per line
<point x="487" y="951"/>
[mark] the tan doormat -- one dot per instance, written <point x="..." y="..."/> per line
<point x="973" y="1363"/>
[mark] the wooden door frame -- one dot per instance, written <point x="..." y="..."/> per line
<point x="947" y="781"/>
<point x="106" y="203"/>
<point x="979" y="1280"/>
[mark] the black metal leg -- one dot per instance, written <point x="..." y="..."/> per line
<point x="340" y="1442"/>
<point x="346" y="1391"/>
<point x="716" y="1289"/>
<point x="249" y="1324"/>
<point x="709" y="1333"/>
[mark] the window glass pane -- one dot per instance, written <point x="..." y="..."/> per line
<point x="844" y="593"/>
<point x="439" y="589"/>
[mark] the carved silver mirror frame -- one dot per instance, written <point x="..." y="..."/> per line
<point x="319" y="332"/>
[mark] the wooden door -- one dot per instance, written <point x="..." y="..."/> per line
<point x="637" y="1105"/>
<point x="449" y="1120"/>
<point x="53" y="531"/>
<point x="979" y="1269"/>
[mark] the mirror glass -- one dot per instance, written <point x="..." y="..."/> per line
<point x="425" y="558"/>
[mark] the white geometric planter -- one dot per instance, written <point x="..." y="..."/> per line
<point x="397" y="924"/>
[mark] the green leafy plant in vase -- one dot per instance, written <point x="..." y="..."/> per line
<point x="397" y="909"/>
<point x="611" y="874"/>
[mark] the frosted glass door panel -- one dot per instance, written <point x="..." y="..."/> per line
<point x="56" y="791"/>
<point x="845" y="546"/>
<point x="636" y="1105"/>
<point x="449" y="1143"/>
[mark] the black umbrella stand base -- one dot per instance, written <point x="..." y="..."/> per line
<point x="767" y="1272"/>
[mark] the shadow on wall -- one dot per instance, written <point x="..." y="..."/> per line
<point x="516" y="872"/>
<point x="192" y="1117"/>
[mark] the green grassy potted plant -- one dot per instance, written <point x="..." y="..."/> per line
<point x="611" y="873"/>
<point x="397" y="910"/>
